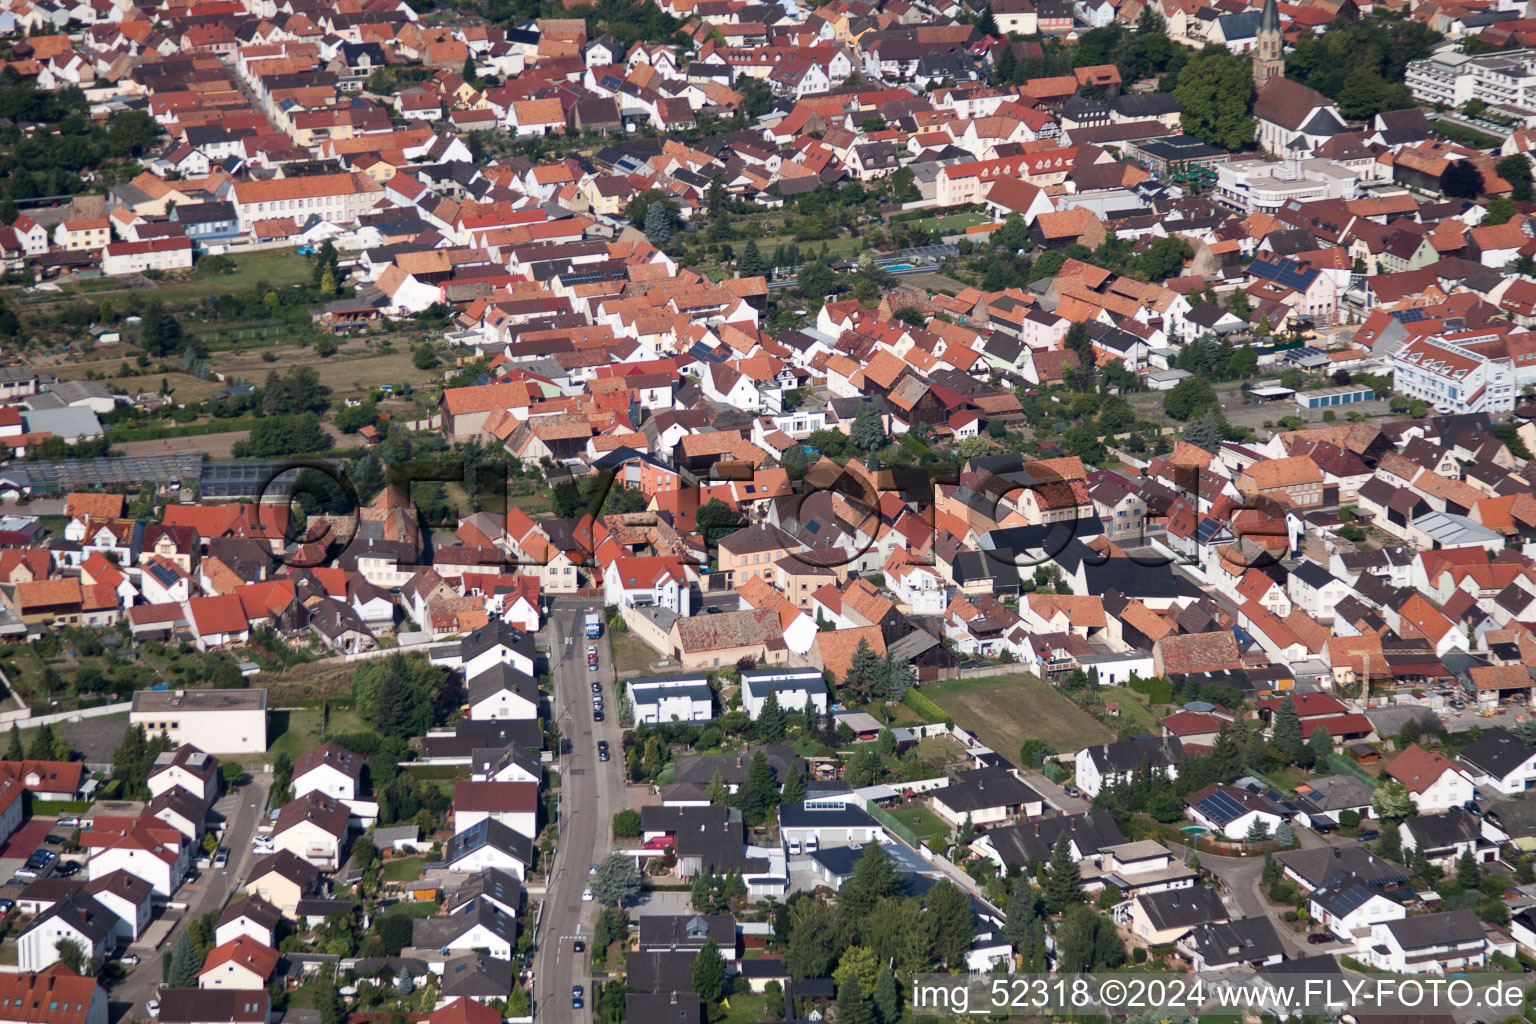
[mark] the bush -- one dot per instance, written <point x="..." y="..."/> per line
<point x="1349" y="819"/>
<point x="626" y="824"/>
<point x="708" y="739"/>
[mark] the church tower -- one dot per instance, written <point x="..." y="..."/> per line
<point x="1268" y="55"/>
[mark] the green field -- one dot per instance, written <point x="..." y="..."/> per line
<point x="277" y="267"/>
<point x="922" y="821"/>
<point x="1004" y="711"/>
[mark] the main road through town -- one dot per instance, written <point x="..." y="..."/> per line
<point x="591" y="793"/>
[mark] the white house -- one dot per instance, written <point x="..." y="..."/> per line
<point x="795" y="689"/>
<point x="242" y="964"/>
<point x="1349" y="907"/>
<point x="129" y="898"/>
<point x="502" y="692"/>
<point x="1109" y="763"/>
<point x="649" y="581"/>
<point x="489" y="844"/>
<point x="985" y="796"/>
<point x="252" y="917"/>
<point x="1500" y="761"/>
<point x="1428" y="944"/>
<point x="1233" y="812"/>
<point x="656" y="699"/>
<point x="78" y="919"/>
<point x="157" y="853"/>
<point x="920" y="587"/>
<point x="494" y="644"/>
<point x="186" y="768"/>
<point x="1434" y="780"/>
<point x="330" y="770"/>
<point x="513" y="804"/>
<point x="313" y="827"/>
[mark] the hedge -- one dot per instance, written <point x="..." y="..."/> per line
<point x="923" y="706"/>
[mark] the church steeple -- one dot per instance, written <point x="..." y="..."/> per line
<point x="1268" y="51"/>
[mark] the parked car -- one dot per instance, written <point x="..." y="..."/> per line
<point x="6" y="906"/>
<point x="221" y="859"/>
<point x="53" y="840"/>
<point x="592" y="666"/>
<point x="1072" y="791"/>
<point x="68" y="823"/>
<point x="1368" y="835"/>
<point x="597" y="687"/>
<point x="129" y="961"/>
<point x="597" y="714"/>
<point x="152" y="1007"/>
<point x="1319" y="938"/>
<point x="25" y="873"/>
<point x="586" y="895"/>
<point x="68" y="868"/>
<point x="578" y="946"/>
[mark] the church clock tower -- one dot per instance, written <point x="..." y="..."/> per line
<point x="1268" y="56"/>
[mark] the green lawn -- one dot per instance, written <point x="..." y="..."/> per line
<point x="1134" y="712"/>
<point x="294" y="732"/>
<point x="630" y="653"/>
<point x="405" y="869"/>
<point x="277" y="267"/>
<point x="922" y="821"/>
<point x="1004" y="711"/>
<point x="426" y="908"/>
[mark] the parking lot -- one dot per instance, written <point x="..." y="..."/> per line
<point x="24" y="842"/>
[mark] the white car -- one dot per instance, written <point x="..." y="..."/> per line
<point x="129" y="961"/>
<point x="153" y="1007"/>
<point x="586" y="895"/>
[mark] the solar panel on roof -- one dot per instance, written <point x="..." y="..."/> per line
<point x="1221" y="806"/>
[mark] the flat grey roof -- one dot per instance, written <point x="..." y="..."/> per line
<point x="200" y="700"/>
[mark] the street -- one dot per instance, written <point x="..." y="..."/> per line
<point x="241" y="810"/>
<point x="591" y="793"/>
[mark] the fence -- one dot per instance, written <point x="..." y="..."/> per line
<point x="26" y="718"/>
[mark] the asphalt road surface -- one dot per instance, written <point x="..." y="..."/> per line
<point x="242" y="810"/>
<point x="591" y="793"/>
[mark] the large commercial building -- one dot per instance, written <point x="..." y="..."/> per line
<point x="219" y="721"/>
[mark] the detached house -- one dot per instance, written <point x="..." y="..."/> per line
<point x="1434" y="780"/>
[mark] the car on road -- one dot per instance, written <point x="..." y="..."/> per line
<point x="713" y="609"/>
<point x="152" y="1007"/>
<point x="592" y="666"/>
<point x="262" y="848"/>
<point x="576" y="1003"/>
<point x="602" y="750"/>
<point x="1072" y="791"/>
<point x="129" y="961"/>
<point x="597" y="687"/>
<point x="586" y="895"/>
<point x="1319" y="938"/>
<point x="578" y="946"/>
<point x="597" y="714"/>
<point x="221" y="859"/>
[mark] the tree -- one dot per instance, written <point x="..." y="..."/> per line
<point x="1500" y="211"/>
<point x="1468" y="874"/>
<point x="852" y="1007"/>
<point x="658" y="225"/>
<point x="394" y="932"/>
<point x="709" y="973"/>
<point x="949" y="911"/>
<point x="626" y="824"/>
<point x="1287" y="730"/>
<point x="231" y="772"/>
<point x="1216" y="91"/>
<point x="751" y="262"/>
<point x="818" y="934"/>
<point x="887" y="997"/>
<point x="1257" y="832"/>
<point x="863" y="670"/>
<point x="862" y="965"/>
<point x="874" y="878"/>
<point x="616" y="881"/>
<point x="1322" y="746"/>
<point x="1462" y="180"/>
<point x="71" y="955"/>
<point x="185" y="963"/>
<point x="1516" y="169"/>
<point x="1205" y="434"/>
<point x="794" y="789"/>
<point x="1391" y="844"/>
<point x="719" y="792"/>
<point x="1393" y="803"/>
<point x="42" y="744"/>
<point x="1190" y="398"/>
<point x="160" y="333"/>
<point x="760" y="793"/>
<point x="867" y="433"/>
<point x="715" y="519"/>
<point x="1086" y="941"/>
<point x="770" y="720"/>
<point x="1024" y="928"/>
<point x="14" y="751"/>
<point x="896" y="679"/>
<point x="1063" y="880"/>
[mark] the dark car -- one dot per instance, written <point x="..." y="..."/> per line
<point x="578" y="946"/>
<point x="1319" y="938"/>
<point x="53" y="840"/>
<point x="602" y="750"/>
<point x="1368" y="835"/>
<point x="68" y="868"/>
<point x="597" y="715"/>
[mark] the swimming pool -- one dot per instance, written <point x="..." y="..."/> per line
<point x="897" y="266"/>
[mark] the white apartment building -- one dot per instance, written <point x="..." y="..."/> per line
<point x="1264" y="186"/>
<point x="228" y="721"/>
<point x="1451" y="77"/>
<point x="338" y="198"/>
<point x="1453" y="379"/>
<point x="155" y="254"/>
